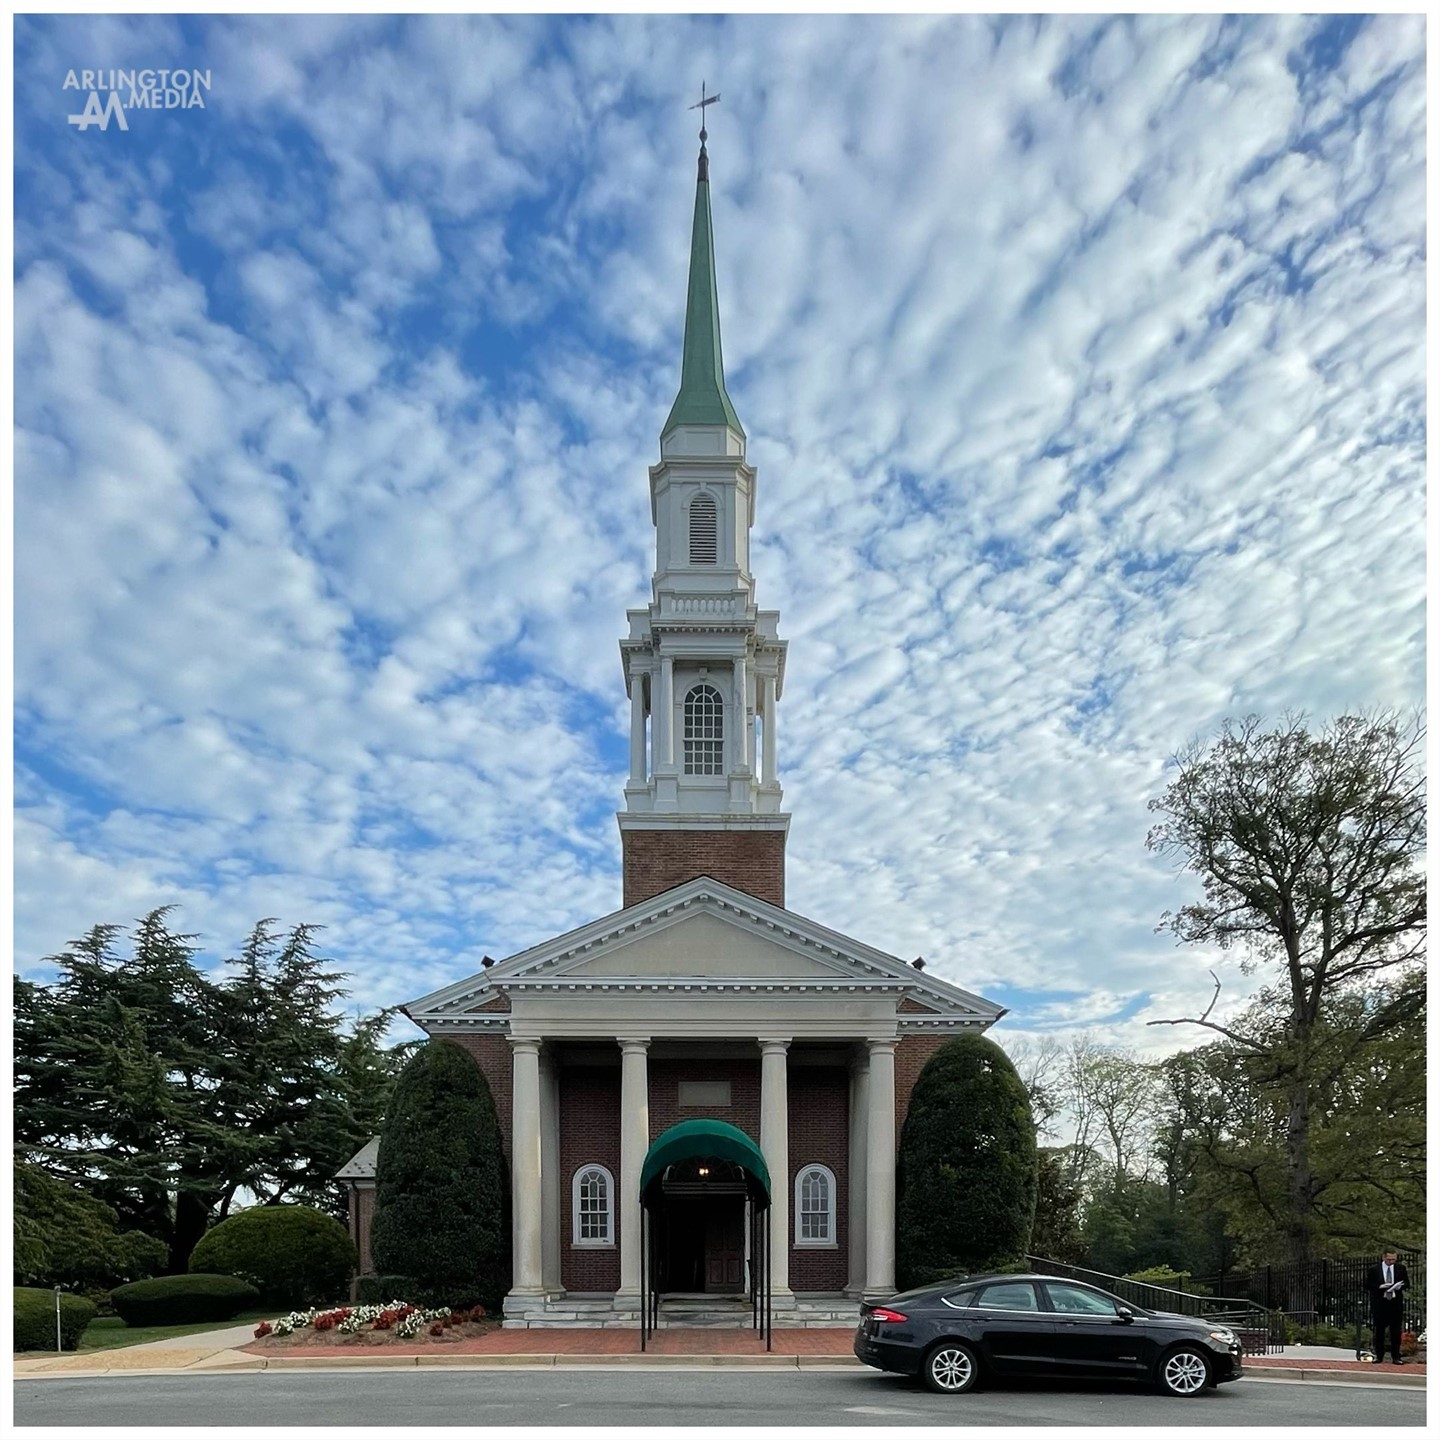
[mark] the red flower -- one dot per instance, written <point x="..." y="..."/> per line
<point x="437" y="1328"/>
<point x="262" y="1329"/>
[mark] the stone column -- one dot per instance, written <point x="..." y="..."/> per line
<point x="775" y="1146"/>
<point x="525" y="1170"/>
<point x="665" y="736"/>
<point x="768" y="722"/>
<point x="880" y="1172"/>
<point x="637" y="729"/>
<point x="550" y="1207"/>
<point x="634" y="1142"/>
<point x="859" y="1120"/>
<point x="740" y="746"/>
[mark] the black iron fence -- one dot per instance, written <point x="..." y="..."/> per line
<point x="1324" y="1292"/>
<point x="1259" y="1331"/>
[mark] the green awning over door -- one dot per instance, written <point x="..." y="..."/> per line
<point x="705" y="1139"/>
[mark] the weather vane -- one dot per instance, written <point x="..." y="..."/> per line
<point x="701" y="108"/>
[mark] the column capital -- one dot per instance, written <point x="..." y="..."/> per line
<point x="873" y="1047"/>
<point x="773" y="1047"/>
<point x="631" y="1045"/>
<point x="525" y="1045"/>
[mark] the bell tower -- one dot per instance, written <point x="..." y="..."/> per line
<point x="704" y="667"/>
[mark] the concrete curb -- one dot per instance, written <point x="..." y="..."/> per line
<point x="1341" y="1377"/>
<point x="229" y="1362"/>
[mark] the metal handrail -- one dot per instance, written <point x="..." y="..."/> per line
<point x="1243" y="1315"/>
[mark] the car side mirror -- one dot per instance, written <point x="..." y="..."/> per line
<point x="1125" y="1314"/>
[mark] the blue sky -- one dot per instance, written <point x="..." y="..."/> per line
<point x="1082" y="362"/>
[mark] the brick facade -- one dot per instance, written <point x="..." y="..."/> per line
<point x="492" y="1054"/>
<point x="362" y="1215"/>
<point x="658" y="860"/>
<point x="589" y="1101"/>
<point x="589" y="1135"/>
<point x="820" y="1135"/>
<point x="911" y="1056"/>
<point x="743" y="1112"/>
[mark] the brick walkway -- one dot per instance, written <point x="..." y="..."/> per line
<point x="1410" y="1367"/>
<point x="592" y="1342"/>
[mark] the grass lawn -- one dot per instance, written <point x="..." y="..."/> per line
<point x="111" y="1332"/>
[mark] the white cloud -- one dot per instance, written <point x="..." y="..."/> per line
<point x="1084" y="378"/>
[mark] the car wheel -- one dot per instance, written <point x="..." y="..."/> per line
<point x="1184" y="1372"/>
<point x="950" y="1368"/>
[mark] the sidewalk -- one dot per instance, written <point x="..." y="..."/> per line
<point x="235" y="1349"/>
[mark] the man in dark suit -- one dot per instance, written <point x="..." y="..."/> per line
<point x="1386" y="1283"/>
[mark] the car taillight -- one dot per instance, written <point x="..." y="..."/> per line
<point x="887" y="1317"/>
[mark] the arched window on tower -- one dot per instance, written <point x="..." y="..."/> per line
<point x="704" y="529"/>
<point x="815" y="1206"/>
<point x="704" y="732"/>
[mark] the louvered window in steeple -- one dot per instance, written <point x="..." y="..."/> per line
<point x="704" y="530"/>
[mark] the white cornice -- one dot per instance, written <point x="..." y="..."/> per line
<point x="785" y="927"/>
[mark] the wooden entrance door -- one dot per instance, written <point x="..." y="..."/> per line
<point x="725" y="1245"/>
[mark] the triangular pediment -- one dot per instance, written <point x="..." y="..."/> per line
<point x="701" y="942"/>
<point x="705" y="934"/>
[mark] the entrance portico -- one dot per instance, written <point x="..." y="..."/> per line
<point x="715" y="1004"/>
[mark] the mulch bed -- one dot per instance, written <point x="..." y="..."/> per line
<point x="325" y="1342"/>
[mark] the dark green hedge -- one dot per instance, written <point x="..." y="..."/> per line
<point x="294" y="1256"/>
<point x="183" y="1299"/>
<point x="35" y="1319"/>
<point x="966" y="1173"/>
<point x="442" y="1190"/>
<point x="377" y="1289"/>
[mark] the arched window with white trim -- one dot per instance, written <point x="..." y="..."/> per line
<point x="815" y="1206"/>
<point x="592" y="1193"/>
<point x="704" y="530"/>
<point x="704" y="731"/>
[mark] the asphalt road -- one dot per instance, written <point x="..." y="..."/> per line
<point x="635" y="1397"/>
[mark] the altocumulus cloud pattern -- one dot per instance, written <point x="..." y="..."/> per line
<point x="1082" y="362"/>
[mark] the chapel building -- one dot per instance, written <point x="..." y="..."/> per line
<point x="703" y="998"/>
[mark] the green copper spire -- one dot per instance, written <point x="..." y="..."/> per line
<point x="702" y="399"/>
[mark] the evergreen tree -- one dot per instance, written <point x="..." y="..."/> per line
<point x="967" y="1165"/>
<point x="442" y="1214"/>
<point x="164" y="1092"/>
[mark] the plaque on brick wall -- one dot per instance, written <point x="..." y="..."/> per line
<point x="704" y="1092"/>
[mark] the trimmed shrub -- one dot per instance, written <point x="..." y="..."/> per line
<point x="294" y="1256"/>
<point x="183" y="1299"/>
<point x="64" y="1236"/>
<point x="381" y="1289"/>
<point x="967" y="1170"/>
<point x="442" y="1191"/>
<point x="35" y="1319"/>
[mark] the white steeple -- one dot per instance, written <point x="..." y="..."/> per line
<point x="703" y="666"/>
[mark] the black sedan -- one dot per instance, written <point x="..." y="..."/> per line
<point x="955" y="1333"/>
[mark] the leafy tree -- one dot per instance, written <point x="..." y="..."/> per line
<point x="1367" y="1137"/>
<point x="1056" y="1233"/>
<point x="966" y="1172"/>
<point x="64" y="1237"/>
<point x="441" y="1185"/>
<point x="1307" y="848"/>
